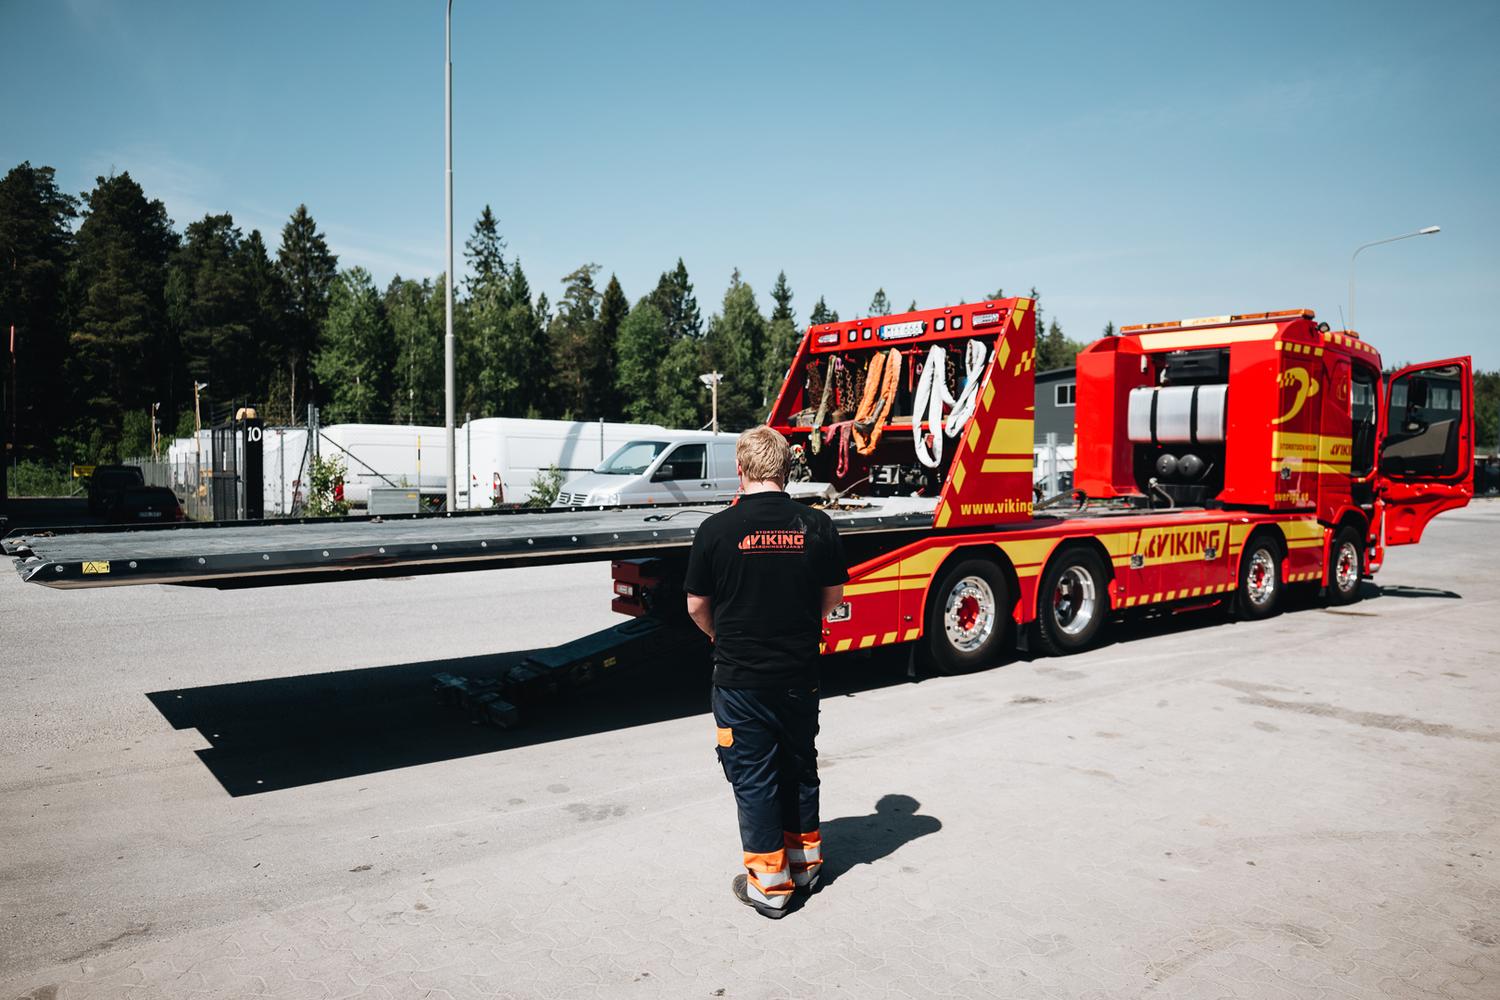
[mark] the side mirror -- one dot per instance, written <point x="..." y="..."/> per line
<point x="663" y="473"/>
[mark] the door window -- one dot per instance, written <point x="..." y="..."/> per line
<point x="688" y="461"/>
<point x="1362" y="421"/>
<point x="723" y="455"/>
<point x="1424" y="416"/>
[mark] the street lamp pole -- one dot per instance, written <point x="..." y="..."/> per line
<point x="448" y="348"/>
<point x="712" y="380"/>
<point x="198" y="438"/>
<point x="1428" y="231"/>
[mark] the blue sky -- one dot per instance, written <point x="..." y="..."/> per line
<point x="1134" y="162"/>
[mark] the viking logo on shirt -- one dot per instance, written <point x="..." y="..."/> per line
<point x="778" y="540"/>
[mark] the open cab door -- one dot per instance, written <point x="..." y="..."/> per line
<point x="1426" y="439"/>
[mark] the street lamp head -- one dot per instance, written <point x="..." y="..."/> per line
<point x="200" y="386"/>
<point x="1429" y="230"/>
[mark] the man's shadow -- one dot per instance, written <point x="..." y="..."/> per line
<point x="863" y="840"/>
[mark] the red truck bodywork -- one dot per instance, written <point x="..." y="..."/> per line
<point x="1309" y="449"/>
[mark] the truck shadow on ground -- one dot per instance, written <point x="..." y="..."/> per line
<point x="269" y="735"/>
<point x="281" y="733"/>
<point x="1297" y="601"/>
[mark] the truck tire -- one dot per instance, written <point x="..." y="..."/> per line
<point x="1072" y="602"/>
<point x="968" y="617"/>
<point x="1259" y="592"/>
<point x="1346" y="560"/>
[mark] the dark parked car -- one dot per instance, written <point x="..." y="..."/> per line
<point x="108" y="482"/>
<point x="146" y="504"/>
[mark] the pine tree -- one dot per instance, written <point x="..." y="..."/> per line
<point x="119" y="350"/>
<point x="1109" y="328"/>
<point x="526" y="345"/>
<point x="210" y="307"/>
<point x="269" y="303"/>
<point x="519" y="288"/>
<point x="640" y="359"/>
<point x="485" y="253"/>
<point x="415" y="312"/>
<point x="354" y="361"/>
<point x="913" y="307"/>
<point x="781" y="294"/>
<point x="35" y="230"/>
<point x="573" y="337"/>
<point x="487" y="368"/>
<point x="781" y="341"/>
<point x="1055" y="350"/>
<point x="822" y="314"/>
<point x="613" y="308"/>
<point x="674" y="297"/>
<point x="683" y="401"/>
<point x="309" y="269"/>
<point x="736" y="342"/>
<point x="880" y="305"/>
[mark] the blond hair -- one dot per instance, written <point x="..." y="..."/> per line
<point x="764" y="455"/>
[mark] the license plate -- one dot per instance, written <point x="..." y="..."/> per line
<point x="150" y="513"/>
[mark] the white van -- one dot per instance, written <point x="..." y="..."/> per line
<point x="499" y="457"/>
<point x="671" y="467"/>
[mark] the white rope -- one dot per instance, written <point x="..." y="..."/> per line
<point x="932" y="395"/>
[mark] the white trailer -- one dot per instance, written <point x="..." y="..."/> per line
<point x="284" y="469"/>
<point x="385" y="455"/>
<point x="498" y="457"/>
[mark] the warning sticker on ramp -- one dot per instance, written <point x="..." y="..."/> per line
<point x="96" y="567"/>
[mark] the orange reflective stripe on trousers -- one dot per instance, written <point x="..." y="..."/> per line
<point x="770" y="880"/>
<point x="804" y="851"/>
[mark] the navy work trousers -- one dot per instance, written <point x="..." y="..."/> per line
<point x="767" y="745"/>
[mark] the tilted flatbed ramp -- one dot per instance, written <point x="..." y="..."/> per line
<point x="267" y="553"/>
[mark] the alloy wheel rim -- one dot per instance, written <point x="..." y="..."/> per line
<point x="1346" y="567"/>
<point x="1260" y="582"/>
<point x="969" y="614"/>
<point x="1074" y="603"/>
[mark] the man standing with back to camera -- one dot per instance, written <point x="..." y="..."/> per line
<point x="762" y="576"/>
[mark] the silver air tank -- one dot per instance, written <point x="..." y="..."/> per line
<point x="1177" y="414"/>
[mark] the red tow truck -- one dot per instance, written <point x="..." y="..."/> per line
<point x="1219" y="462"/>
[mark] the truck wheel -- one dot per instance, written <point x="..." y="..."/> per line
<point x="1260" y="579"/>
<point x="968" y="616"/>
<point x="1345" y="566"/>
<point x="1072" y="602"/>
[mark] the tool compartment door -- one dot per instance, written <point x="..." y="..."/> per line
<point x="1426" y="463"/>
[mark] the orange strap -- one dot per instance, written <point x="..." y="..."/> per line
<point x="881" y="382"/>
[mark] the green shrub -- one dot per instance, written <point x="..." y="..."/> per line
<point x="42" y="479"/>
<point x="323" y="480"/>
<point x="544" y="487"/>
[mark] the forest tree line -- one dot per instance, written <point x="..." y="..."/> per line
<point x="115" y="310"/>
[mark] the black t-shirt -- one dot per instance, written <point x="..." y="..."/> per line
<point x="764" y="563"/>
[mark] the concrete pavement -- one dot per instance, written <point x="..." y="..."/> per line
<point x="251" y="793"/>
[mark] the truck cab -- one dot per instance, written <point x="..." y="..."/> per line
<point x="1275" y="412"/>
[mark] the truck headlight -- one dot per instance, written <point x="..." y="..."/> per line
<point x="604" y="499"/>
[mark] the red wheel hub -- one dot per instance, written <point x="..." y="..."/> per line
<point x="968" y="613"/>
